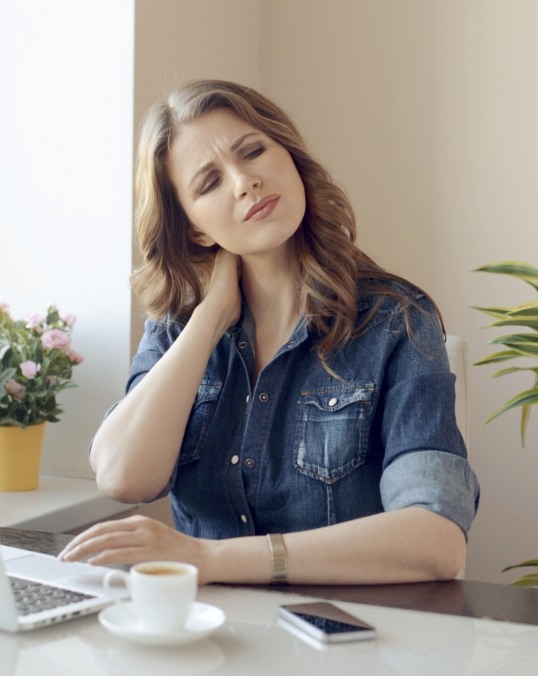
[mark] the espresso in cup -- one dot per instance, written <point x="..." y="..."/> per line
<point x="154" y="569"/>
<point x="162" y="592"/>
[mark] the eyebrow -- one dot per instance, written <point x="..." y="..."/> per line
<point x="235" y="145"/>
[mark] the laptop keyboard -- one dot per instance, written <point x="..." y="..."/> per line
<point x="32" y="597"/>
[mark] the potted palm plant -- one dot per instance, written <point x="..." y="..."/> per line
<point x="517" y="346"/>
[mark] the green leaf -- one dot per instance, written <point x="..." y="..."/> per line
<point x="520" y="315"/>
<point x="514" y="268"/>
<point x="527" y="581"/>
<point x="11" y="422"/>
<point x="525" y="309"/>
<point x="5" y="347"/>
<point x="515" y="369"/>
<point x="526" y="398"/>
<point x="517" y="320"/>
<point x="516" y="339"/>
<point x="524" y="312"/>
<point x="530" y="580"/>
<point x="498" y="357"/>
<point x="524" y="343"/>
<point x="518" y="269"/>
<point x="493" y="311"/>
<point x="526" y="411"/>
<point x="523" y="564"/>
<point x="53" y="315"/>
<point x="525" y="415"/>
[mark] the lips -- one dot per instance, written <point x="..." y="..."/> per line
<point x="262" y="209"/>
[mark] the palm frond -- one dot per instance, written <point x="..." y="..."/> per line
<point x="523" y="564"/>
<point x="524" y="271"/>
<point x="498" y="357"/>
<point x="527" y="580"/>
<point x="526" y="398"/>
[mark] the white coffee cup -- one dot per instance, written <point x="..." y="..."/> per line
<point x="162" y="592"/>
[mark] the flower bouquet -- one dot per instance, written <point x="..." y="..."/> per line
<point x="36" y="363"/>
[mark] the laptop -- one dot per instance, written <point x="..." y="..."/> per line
<point x="37" y="589"/>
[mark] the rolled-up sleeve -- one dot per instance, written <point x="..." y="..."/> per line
<point x="158" y="337"/>
<point x="441" y="482"/>
<point x="425" y="459"/>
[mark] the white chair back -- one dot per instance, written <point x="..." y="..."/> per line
<point x="458" y="356"/>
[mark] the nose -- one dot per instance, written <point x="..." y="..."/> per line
<point x="245" y="182"/>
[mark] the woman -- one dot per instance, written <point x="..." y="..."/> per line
<point x="285" y="384"/>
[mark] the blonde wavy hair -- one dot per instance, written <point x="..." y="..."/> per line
<point x="175" y="270"/>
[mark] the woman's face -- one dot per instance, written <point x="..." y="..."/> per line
<point x="239" y="188"/>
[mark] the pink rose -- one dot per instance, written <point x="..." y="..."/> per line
<point x="75" y="357"/>
<point x="34" y="321"/>
<point x="55" y="339"/>
<point x="69" y="319"/>
<point x="16" y="390"/>
<point x="30" y="369"/>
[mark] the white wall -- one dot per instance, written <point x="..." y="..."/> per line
<point x="66" y="129"/>
<point x="425" y="110"/>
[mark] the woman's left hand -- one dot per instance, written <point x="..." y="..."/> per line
<point x="135" y="539"/>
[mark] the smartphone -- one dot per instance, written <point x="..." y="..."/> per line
<point x="324" y="622"/>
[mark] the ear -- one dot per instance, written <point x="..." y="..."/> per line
<point x="199" y="237"/>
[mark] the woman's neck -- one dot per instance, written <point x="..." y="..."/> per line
<point x="271" y="291"/>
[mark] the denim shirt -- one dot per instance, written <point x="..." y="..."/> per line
<point x="301" y="448"/>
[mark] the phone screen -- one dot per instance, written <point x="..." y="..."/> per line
<point x="326" y="622"/>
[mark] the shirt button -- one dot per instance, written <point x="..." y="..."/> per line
<point x="248" y="398"/>
<point x="235" y="459"/>
<point x="249" y="462"/>
<point x="333" y="401"/>
<point x="264" y="397"/>
<point x="244" y="518"/>
<point x="242" y="344"/>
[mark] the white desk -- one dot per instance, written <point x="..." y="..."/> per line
<point x="455" y="640"/>
<point x="409" y="643"/>
<point x="60" y="504"/>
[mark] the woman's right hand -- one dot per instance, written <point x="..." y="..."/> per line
<point x="136" y="539"/>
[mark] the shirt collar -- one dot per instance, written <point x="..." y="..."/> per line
<point x="246" y="325"/>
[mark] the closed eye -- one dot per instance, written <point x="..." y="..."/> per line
<point x="252" y="153"/>
<point x="209" y="184"/>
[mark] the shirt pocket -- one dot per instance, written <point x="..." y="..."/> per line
<point x="200" y="418"/>
<point x="332" y="431"/>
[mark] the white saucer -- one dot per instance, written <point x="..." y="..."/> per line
<point x="121" y="619"/>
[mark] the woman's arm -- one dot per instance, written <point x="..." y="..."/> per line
<point x="407" y="545"/>
<point x="136" y="447"/>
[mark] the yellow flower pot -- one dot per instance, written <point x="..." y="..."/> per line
<point x="20" y="457"/>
